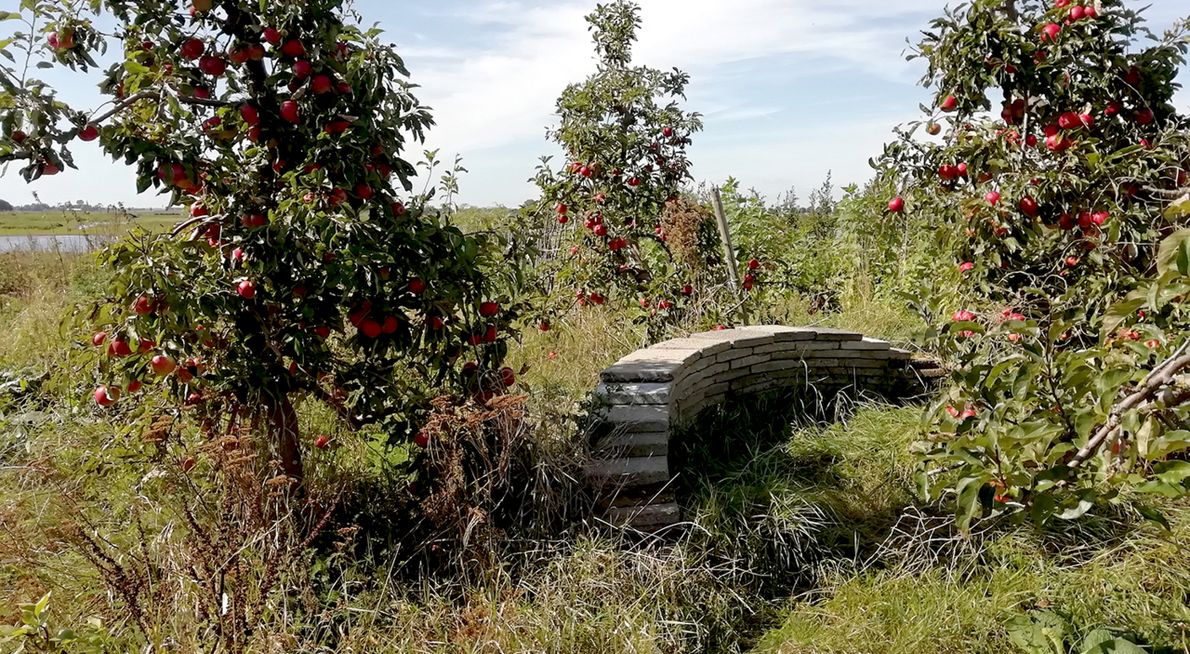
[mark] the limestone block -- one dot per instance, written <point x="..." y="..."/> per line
<point x="634" y="393"/>
<point x="645" y="517"/>
<point x="633" y="445"/>
<point x="629" y="473"/>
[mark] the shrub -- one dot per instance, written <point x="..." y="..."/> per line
<point x="1067" y="356"/>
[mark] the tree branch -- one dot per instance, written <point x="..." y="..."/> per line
<point x="125" y="103"/>
<point x="1160" y="377"/>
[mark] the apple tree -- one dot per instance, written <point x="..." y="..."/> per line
<point x="304" y="265"/>
<point x="1049" y="168"/>
<point x="625" y="136"/>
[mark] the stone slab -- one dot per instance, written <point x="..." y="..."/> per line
<point x="633" y="444"/>
<point x="634" y="393"/>
<point x="636" y="418"/>
<point x="646" y="517"/>
<point x="866" y="344"/>
<point x="629" y="473"/>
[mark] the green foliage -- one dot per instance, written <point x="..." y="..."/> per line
<point x="1053" y="216"/>
<point x="305" y="267"/>
<point x="625" y="136"/>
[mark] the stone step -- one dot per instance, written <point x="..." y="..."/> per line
<point x="629" y="473"/>
<point x="630" y="418"/>
<point x="646" y="517"/>
<point x="633" y="444"/>
<point x="642" y="394"/>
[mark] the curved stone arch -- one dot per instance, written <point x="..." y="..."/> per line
<point x="650" y="393"/>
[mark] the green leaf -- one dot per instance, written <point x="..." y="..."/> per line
<point x="1120" y="313"/>
<point x="1116" y="646"/>
<point x="1094" y="639"/>
<point x="1043" y="633"/>
<point x="1179" y="208"/>
<point x="1153" y="515"/>
<point x="1174" y="254"/>
<point x="967" y="503"/>
<point x="1173" y="472"/>
<point x="1080" y="508"/>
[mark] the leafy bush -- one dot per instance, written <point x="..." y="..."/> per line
<point x="1069" y="354"/>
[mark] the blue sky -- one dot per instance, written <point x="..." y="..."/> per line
<point x="789" y="89"/>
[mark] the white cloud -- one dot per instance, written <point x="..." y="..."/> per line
<point x="503" y="92"/>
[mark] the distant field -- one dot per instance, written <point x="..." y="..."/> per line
<point x="42" y="223"/>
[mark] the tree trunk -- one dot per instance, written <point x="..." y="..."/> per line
<point x="284" y="424"/>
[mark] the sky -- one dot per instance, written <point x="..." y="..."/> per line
<point x="789" y="89"/>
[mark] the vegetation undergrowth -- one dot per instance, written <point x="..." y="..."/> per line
<point x="805" y="535"/>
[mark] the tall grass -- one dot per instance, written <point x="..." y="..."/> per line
<point x="804" y="533"/>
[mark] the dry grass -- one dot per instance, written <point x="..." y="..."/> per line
<point x="806" y="538"/>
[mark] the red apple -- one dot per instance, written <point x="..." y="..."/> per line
<point x="1050" y="32"/>
<point x="192" y="48"/>
<point x="290" y="112"/>
<point x="949" y="103"/>
<point x="634" y="181"/>
<point x="98" y="339"/>
<point x="422" y="440"/>
<point x="163" y="364"/>
<point x="1077" y="13"/>
<point x="18" y="136"/>
<point x="687" y="290"/>
<point x="754" y="264"/>
<point x="933" y="129"/>
<point x="363" y="191"/>
<point x="302" y="69"/>
<point x="213" y="66"/>
<point x="1029" y="206"/>
<point x="417" y="286"/>
<point x="105" y="396"/>
<point x="371" y="328"/>
<point x="61" y="40"/>
<point x="293" y="48"/>
<point x="322" y="442"/>
<point x="1144" y="116"/>
<point x="256" y="52"/>
<point x="390" y="325"/>
<point x="993" y="197"/>
<point x="119" y="348"/>
<point x="272" y="35"/>
<point x="89" y="133"/>
<point x="489" y="309"/>
<point x="896" y="205"/>
<point x="508" y="377"/>
<point x="436" y="323"/>
<point x="250" y="114"/>
<point x="1071" y="262"/>
<point x="321" y="84"/>
<point x="667" y="132"/>
<point x="246" y="289"/>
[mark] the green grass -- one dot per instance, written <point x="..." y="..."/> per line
<point x="808" y="537"/>
<point x="87" y="223"/>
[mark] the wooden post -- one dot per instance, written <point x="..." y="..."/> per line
<point x="725" y="234"/>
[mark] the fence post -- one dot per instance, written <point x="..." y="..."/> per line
<point x="725" y="235"/>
